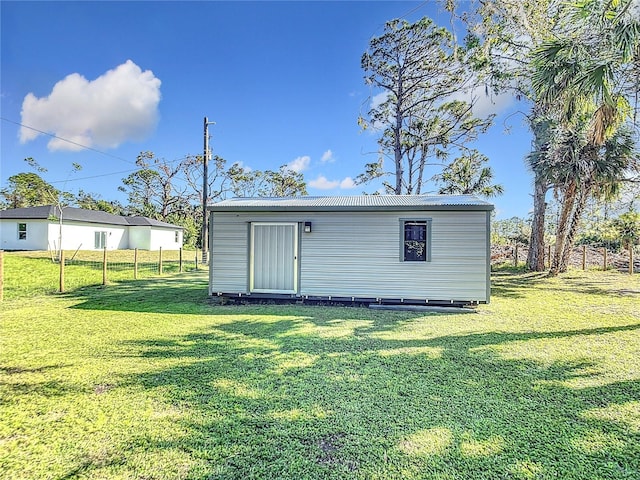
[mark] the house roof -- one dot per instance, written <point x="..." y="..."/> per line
<point x="355" y="202"/>
<point x="81" y="215"/>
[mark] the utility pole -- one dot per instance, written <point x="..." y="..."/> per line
<point x="205" y="192"/>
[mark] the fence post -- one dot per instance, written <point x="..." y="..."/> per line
<point x="160" y="261"/>
<point x="604" y="258"/>
<point x="196" y="259"/>
<point x="180" y="260"/>
<point x="135" y="264"/>
<point x="630" y="258"/>
<point x="61" y="289"/>
<point x="584" y="257"/>
<point x="1" y="275"/>
<point x="515" y="256"/>
<point x="104" y="266"/>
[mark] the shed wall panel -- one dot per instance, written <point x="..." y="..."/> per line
<point x="229" y="254"/>
<point x="359" y="254"/>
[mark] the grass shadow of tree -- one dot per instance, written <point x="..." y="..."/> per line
<point x="509" y="284"/>
<point x="275" y="402"/>
<point x="181" y="293"/>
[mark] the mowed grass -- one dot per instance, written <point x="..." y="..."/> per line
<point x="149" y="380"/>
<point x="28" y="273"/>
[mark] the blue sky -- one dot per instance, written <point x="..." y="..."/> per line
<point x="282" y="81"/>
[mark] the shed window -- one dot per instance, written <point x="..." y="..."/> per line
<point x="415" y="241"/>
<point x="177" y="236"/>
<point x="22" y="231"/>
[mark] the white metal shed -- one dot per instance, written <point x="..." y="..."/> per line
<point x="376" y="248"/>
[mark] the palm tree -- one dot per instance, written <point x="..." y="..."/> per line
<point x="591" y="67"/>
<point x="582" y="171"/>
<point x="583" y="77"/>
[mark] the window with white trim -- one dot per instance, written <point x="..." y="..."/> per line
<point x="100" y="240"/>
<point x="22" y="231"/>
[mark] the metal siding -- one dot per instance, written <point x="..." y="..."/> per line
<point x="488" y="259"/>
<point x="229" y="254"/>
<point x="356" y="254"/>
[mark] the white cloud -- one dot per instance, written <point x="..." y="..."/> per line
<point x="120" y="105"/>
<point x="485" y="105"/>
<point x="327" y="157"/>
<point x="321" y="183"/>
<point x="299" y="164"/>
<point x="347" y="183"/>
<point x="241" y="164"/>
<point x="376" y="102"/>
<point x="379" y="99"/>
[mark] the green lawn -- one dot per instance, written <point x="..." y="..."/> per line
<point x="148" y="380"/>
<point x="29" y="273"/>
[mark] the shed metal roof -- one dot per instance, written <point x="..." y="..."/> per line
<point x="354" y="203"/>
<point x="81" y="215"/>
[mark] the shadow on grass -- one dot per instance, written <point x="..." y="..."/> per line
<point x="272" y="400"/>
<point x="510" y="284"/>
<point x="305" y="392"/>
<point x="179" y="293"/>
<point x="10" y="387"/>
<point x="516" y="284"/>
<point x="187" y="293"/>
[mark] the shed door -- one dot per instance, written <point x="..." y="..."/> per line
<point x="274" y="258"/>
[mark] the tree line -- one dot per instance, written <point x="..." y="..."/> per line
<point x="574" y="66"/>
<point x="169" y="191"/>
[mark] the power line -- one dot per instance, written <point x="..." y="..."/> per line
<point x="179" y="159"/>
<point x="118" y="173"/>
<point x="94" y="176"/>
<point x="67" y="140"/>
<point x="415" y="9"/>
<point x="404" y="15"/>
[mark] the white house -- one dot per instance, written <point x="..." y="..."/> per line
<point x="377" y="248"/>
<point x="45" y="228"/>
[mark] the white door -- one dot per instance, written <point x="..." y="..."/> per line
<point x="274" y="257"/>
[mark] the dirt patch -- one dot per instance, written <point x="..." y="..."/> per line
<point x="330" y="447"/>
<point x="102" y="388"/>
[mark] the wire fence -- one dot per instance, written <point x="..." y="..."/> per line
<point x="33" y="273"/>
<point x="584" y="257"/>
<point x="28" y="273"/>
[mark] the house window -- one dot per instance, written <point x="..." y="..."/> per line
<point x="177" y="236"/>
<point x="22" y="231"/>
<point x="416" y="240"/>
<point x="100" y="240"/>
